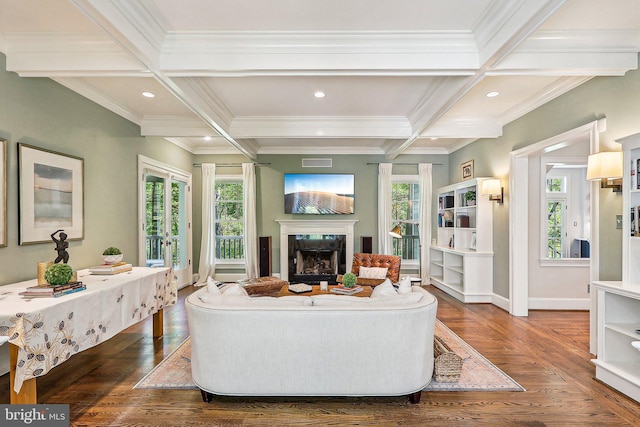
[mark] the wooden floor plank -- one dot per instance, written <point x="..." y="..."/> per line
<point x="546" y="352"/>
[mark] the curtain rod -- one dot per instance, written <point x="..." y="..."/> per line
<point x="400" y="163"/>
<point x="229" y="165"/>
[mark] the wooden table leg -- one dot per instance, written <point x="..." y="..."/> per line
<point x="158" y="324"/>
<point x="27" y="394"/>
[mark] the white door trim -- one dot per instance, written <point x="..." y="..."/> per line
<point x="519" y="209"/>
<point x="146" y="164"/>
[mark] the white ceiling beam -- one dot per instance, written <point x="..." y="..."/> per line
<point x="506" y="37"/>
<point x="216" y="53"/>
<point x="136" y="27"/>
<point x="464" y="127"/>
<point x="321" y="127"/>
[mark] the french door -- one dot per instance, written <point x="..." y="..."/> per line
<point x="165" y="219"/>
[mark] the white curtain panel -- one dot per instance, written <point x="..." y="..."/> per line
<point x="385" y="245"/>
<point x="425" y="181"/>
<point x="207" y="266"/>
<point x="250" y="227"/>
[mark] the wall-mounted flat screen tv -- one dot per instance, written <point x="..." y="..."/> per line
<point x="318" y="193"/>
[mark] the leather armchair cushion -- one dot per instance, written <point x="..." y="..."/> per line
<point x="390" y="262"/>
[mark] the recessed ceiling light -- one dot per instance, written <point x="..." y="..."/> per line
<point x="493" y="94"/>
<point x="207" y="138"/>
<point x="433" y="138"/>
<point x="319" y="94"/>
<point x="148" y="94"/>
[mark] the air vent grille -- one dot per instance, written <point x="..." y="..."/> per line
<point x="317" y="163"/>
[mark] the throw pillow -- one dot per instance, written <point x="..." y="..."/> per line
<point x="212" y="286"/>
<point x="384" y="289"/>
<point x="234" y="289"/>
<point x="373" y="272"/>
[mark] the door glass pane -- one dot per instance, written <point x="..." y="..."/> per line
<point x="154" y="218"/>
<point x="178" y="225"/>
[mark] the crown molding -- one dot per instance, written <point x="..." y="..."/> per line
<point x="199" y="92"/>
<point x="175" y="126"/>
<point x="81" y="87"/>
<point x="321" y="150"/>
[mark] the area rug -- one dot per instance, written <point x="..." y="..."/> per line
<point x="478" y="373"/>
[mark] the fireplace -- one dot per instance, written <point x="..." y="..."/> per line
<point x="313" y="258"/>
<point x="334" y="251"/>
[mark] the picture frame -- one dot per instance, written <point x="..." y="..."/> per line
<point x="3" y="193"/>
<point x="472" y="245"/>
<point x="51" y="193"/>
<point x="467" y="170"/>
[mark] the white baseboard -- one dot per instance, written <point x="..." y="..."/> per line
<point x="559" y="304"/>
<point x="500" y="301"/>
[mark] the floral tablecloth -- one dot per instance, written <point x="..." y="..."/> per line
<point x="48" y="331"/>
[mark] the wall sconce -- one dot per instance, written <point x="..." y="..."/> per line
<point x="606" y="166"/>
<point x="493" y="189"/>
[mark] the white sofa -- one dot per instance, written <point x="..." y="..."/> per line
<point x="327" y="345"/>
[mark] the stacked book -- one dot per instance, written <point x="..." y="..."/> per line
<point x="53" y="291"/>
<point x="340" y="289"/>
<point x="119" y="267"/>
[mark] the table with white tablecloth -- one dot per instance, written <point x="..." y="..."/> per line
<point x="45" y="332"/>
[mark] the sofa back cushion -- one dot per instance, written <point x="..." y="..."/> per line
<point x="352" y="301"/>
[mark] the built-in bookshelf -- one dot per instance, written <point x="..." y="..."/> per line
<point x="461" y="260"/>
<point x="618" y="302"/>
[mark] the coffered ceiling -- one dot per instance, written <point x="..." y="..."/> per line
<point x="399" y="77"/>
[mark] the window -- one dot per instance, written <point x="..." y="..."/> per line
<point x="229" y="222"/>
<point x="555" y="228"/>
<point x="556" y="184"/>
<point x="405" y="210"/>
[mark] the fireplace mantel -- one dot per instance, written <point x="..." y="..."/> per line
<point x="327" y="226"/>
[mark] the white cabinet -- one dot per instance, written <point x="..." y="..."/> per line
<point x="618" y="323"/>
<point x="618" y="303"/>
<point x="462" y="259"/>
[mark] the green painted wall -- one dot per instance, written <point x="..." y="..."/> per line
<point x="45" y="114"/>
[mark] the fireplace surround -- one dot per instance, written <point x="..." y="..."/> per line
<point x="343" y="228"/>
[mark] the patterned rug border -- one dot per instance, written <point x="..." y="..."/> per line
<point x="509" y="383"/>
<point x="159" y="377"/>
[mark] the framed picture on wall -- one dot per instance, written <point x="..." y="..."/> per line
<point x="51" y="194"/>
<point x="467" y="170"/>
<point x="3" y="193"/>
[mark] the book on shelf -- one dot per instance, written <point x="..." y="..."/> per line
<point x="346" y="291"/>
<point x="53" y="291"/>
<point x="120" y="267"/>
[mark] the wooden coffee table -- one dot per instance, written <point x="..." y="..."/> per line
<point x="284" y="291"/>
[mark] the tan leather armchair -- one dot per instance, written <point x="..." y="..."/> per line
<point x="391" y="262"/>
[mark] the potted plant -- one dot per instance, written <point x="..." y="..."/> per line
<point x="58" y="274"/>
<point x="349" y="280"/>
<point x="470" y="198"/>
<point x="112" y="255"/>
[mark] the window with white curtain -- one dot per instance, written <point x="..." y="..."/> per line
<point x="405" y="210"/>
<point x="229" y="213"/>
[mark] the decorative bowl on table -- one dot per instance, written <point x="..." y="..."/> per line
<point x="112" y="259"/>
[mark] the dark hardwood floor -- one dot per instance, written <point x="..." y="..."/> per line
<point x="547" y="353"/>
